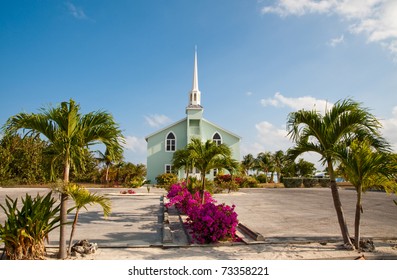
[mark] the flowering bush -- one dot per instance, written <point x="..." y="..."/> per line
<point x="207" y="222"/>
<point x="183" y="200"/>
<point x="211" y="223"/>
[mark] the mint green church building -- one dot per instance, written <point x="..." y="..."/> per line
<point x="162" y="144"/>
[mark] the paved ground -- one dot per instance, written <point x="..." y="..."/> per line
<point x="280" y="215"/>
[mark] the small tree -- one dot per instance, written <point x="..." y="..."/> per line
<point x="365" y="168"/>
<point x="207" y="156"/>
<point x="82" y="197"/>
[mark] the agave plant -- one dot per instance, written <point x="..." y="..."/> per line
<point x="82" y="197"/>
<point x="25" y="230"/>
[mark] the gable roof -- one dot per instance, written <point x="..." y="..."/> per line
<point x="165" y="128"/>
<point x="184" y="119"/>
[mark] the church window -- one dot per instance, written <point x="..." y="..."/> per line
<point x="170" y="141"/>
<point x="217" y="139"/>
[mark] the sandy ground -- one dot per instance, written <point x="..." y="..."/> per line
<point x="385" y="250"/>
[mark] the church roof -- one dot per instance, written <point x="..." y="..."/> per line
<point x="184" y="119"/>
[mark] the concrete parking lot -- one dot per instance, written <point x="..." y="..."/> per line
<point x="278" y="214"/>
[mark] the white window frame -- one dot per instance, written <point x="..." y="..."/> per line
<point x="168" y="168"/>
<point x="166" y="142"/>
<point x="217" y="140"/>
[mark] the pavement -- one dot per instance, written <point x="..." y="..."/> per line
<point x="280" y="216"/>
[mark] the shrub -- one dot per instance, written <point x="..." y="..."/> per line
<point x="292" y="182"/>
<point x="249" y="182"/>
<point x="227" y="182"/>
<point x="25" y="230"/>
<point x="261" y="178"/>
<point x="183" y="200"/>
<point x="310" y="182"/>
<point x="324" y="182"/>
<point x="212" y="223"/>
<point x="165" y="180"/>
<point x="207" y="222"/>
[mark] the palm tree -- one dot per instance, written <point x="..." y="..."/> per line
<point x="264" y="163"/>
<point x="70" y="134"/>
<point x="365" y="167"/>
<point x="82" y="197"/>
<point x="182" y="159"/>
<point x="248" y="163"/>
<point x="207" y="156"/>
<point x="278" y="162"/>
<point x="108" y="158"/>
<point x="325" y="134"/>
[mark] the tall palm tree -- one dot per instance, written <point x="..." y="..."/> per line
<point x="325" y="134"/>
<point x="365" y="167"/>
<point x="69" y="133"/>
<point x="207" y="156"/>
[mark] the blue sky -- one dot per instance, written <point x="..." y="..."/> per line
<point x="257" y="62"/>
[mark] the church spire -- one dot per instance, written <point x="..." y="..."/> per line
<point x="195" y="73"/>
<point x="195" y="94"/>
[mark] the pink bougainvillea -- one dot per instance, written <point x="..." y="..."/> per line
<point x="208" y="222"/>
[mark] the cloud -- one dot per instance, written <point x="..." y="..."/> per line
<point x="305" y="102"/>
<point x="268" y="138"/>
<point x="336" y="41"/>
<point x="157" y="120"/>
<point x="76" y="12"/>
<point x="135" y="144"/>
<point x="375" y="18"/>
<point x="389" y="129"/>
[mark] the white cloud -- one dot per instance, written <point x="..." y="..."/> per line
<point x="135" y="144"/>
<point x="305" y="102"/>
<point x="377" y="19"/>
<point x="76" y="11"/>
<point x="389" y="129"/>
<point x="336" y="41"/>
<point x="248" y="93"/>
<point x="157" y="120"/>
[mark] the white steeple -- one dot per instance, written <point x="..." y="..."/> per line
<point x="195" y="94"/>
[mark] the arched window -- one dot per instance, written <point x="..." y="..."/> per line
<point x="217" y="139"/>
<point x="170" y="142"/>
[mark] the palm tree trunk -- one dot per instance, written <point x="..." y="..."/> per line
<point x="72" y="232"/>
<point x="202" y="187"/>
<point x="64" y="217"/>
<point x="357" y="219"/>
<point x="338" y="206"/>
<point x="107" y="174"/>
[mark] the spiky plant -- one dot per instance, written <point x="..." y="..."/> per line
<point x="25" y="230"/>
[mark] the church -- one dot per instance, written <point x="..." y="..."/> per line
<point x="162" y="144"/>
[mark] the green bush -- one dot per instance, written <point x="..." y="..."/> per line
<point x="165" y="180"/>
<point x="249" y="182"/>
<point x="25" y="230"/>
<point x="262" y="178"/>
<point x="310" y="182"/>
<point x="324" y="182"/>
<point x="292" y="182"/>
